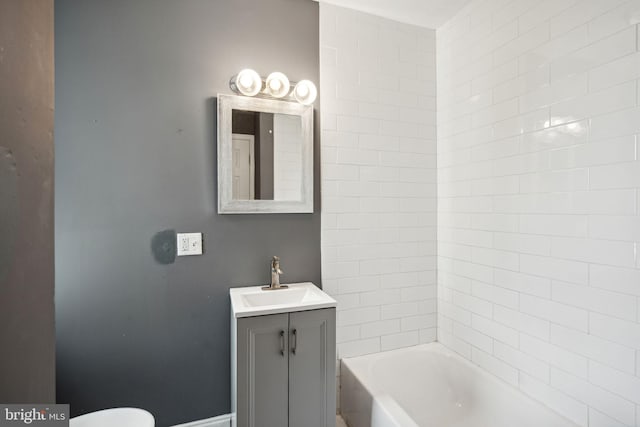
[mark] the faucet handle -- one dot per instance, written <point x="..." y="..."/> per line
<point x="275" y="265"/>
<point x="275" y="276"/>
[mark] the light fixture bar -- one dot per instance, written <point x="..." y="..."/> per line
<point x="276" y="86"/>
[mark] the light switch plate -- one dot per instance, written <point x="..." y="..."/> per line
<point x="189" y="244"/>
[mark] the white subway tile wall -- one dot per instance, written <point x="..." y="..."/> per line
<point x="539" y="197"/>
<point x="378" y="157"/>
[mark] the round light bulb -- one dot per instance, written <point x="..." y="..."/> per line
<point x="305" y="92"/>
<point x="277" y="85"/>
<point x="248" y="82"/>
<point x="245" y="81"/>
<point x="302" y="91"/>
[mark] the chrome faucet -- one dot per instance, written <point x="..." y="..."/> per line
<point x="275" y="276"/>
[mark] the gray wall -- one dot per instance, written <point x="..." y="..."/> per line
<point x="266" y="155"/>
<point x="135" y="155"/>
<point x="27" y="366"/>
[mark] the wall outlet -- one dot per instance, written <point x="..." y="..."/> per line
<point x="189" y="244"/>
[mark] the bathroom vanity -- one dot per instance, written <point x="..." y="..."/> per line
<point x="283" y="350"/>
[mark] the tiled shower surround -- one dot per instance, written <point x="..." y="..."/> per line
<point x="538" y="193"/>
<point x="378" y="179"/>
<point x="538" y="200"/>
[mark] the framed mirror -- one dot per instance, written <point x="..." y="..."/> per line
<point x="265" y="156"/>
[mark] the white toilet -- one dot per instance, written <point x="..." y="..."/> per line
<point x="120" y="417"/>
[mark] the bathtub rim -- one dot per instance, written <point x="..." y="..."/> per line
<point x="357" y="365"/>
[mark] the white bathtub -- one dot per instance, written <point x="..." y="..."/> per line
<point x="430" y="386"/>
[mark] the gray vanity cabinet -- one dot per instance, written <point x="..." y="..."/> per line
<point x="262" y="361"/>
<point x="285" y="370"/>
<point x="312" y="366"/>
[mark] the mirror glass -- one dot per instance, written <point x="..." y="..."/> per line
<point x="265" y="156"/>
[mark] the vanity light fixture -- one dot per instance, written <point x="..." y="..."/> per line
<point x="249" y="83"/>
<point x="305" y="92"/>
<point x="277" y="85"/>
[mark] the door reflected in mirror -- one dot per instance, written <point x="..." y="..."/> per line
<point x="267" y="156"/>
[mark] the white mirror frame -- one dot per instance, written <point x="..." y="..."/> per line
<point x="226" y="203"/>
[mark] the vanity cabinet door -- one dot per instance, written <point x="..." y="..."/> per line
<point x="262" y="376"/>
<point x="312" y="361"/>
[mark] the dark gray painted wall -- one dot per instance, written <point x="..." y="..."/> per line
<point x="135" y="154"/>
<point x="266" y="155"/>
<point x="27" y="366"/>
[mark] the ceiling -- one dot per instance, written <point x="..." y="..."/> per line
<point x="425" y="13"/>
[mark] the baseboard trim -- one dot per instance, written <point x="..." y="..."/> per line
<point x="219" y="421"/>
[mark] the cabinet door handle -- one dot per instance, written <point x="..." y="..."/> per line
<point x="282" y="343"/>
<point x="295" y="341"/>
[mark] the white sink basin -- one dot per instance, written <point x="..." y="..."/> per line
<point x="255" y="301"/>
<point x="286" y="296"/>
